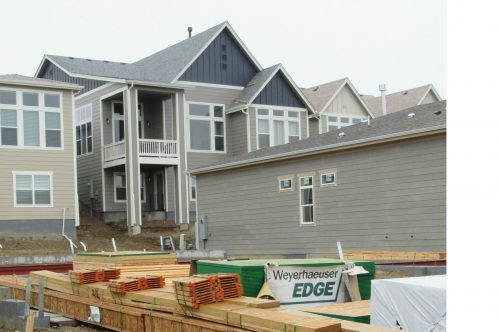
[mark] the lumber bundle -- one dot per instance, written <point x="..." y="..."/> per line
<point x="197" y="290"/>
<point x="122" y="286"/>
<point x="230" y="284"/>
<point x="134" y="263"/>
<point x="393" y="255"/>
<point x="91" y="276"/>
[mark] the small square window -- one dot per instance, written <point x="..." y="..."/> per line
<point x="262" y="111"/>
<point x="329" y="177"/>
<point x="278" y="113"/>
<point x="8" y="97"/>
<point x="293" y="114"/>
<point x="344" y="120"/>
<point x="286" y="184"/>
<point x="218" y="111"/>
<point x="30" y="99"/>
<point x="51" y="100"/>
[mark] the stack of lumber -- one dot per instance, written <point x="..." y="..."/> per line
<point x="393" y="255"/>
<point x="91" y="276"/>
<point x="357" y="311"/>
<point x="129" y="284"/>
<point x="230" y="284"/>
<point x="197" y="290"/>
<point x="158" y="310"/>
<point x="134" y="263"/>
<point x="86" y="276"/>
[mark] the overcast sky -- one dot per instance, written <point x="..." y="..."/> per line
<point x="399" y="42"/>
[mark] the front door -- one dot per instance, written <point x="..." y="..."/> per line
<point x="159" y="197"/>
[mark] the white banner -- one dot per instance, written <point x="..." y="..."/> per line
<point x="300" y="285"/>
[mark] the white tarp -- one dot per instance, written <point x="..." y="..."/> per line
<point x="303" y="285"/>
<point x="413" y="304"/>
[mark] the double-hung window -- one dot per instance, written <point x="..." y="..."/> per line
<point x="30" y="119"/>
<point x="192" y="186"/>
<point x="339" y="121"/>
<point x="277" y="127"/>
<point x="120" y="185"/>
<point x="206" y="127"/>
<point x="33" y="189"/>
<point x="306" y="199"/>
<point x="83" y="119"/>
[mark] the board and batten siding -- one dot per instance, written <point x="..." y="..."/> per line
<point x="222" y="62"/>
<point x="89" y="166"/>
<point x="52" y="72"/>
<point x="389" y="197"/>
<point x="59" y="162"/>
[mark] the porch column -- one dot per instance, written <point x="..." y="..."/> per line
<point x="132" y="165"/>
<point x="182" y="199"/>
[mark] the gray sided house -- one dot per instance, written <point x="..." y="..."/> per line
<point x="337" y="105"/>
<point x="378" y="185"/>
<point x="37" y="168"/>
<point x="140" y="126"/>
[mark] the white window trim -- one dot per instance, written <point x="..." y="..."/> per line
<point x="340" y="124"/>
<point x="212" y="119"/>
<point x="143" y="177"/>
<point x="79" y="124"/>
<point x="41" y="109"/>
<point x="270" y="117"/>
<point x="284" y="178"/>
<point x="190" y="189"/>
<point x="33" y="173"/>
<point x="328" y="171"/>
<point x="314" y="199"/>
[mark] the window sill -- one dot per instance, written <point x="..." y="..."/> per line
<point x="309" y="224"/>
<point x="206" y="151"/>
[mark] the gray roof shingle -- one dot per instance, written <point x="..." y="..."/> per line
<point x="163" y="66"/>
<point x="320" y="95"/>
<point x="397" y="101"/>
<point x="427" y="118"/>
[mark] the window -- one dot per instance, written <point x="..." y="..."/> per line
<point x="285" y="183"/>
<point x="8" y="127"/>
<point x="329" y="177"/>
<point x="206" y="127"/>
<point x="33" y="189"/>
<point x="306" y="200"/>
<point x="192" y="186"/>
<point x="337" y="122"/>
<point x="30" y="119"/>
<point x="118" y="122"/>
<point x="120" y="184"/>
<point x="83" y="119"/>
<point x="277" y="127"/>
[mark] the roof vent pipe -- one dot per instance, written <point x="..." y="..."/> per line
<point x="381" y="87"/>
<point x="190" y="29"/>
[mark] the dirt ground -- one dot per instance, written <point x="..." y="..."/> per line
<point x="97" y="237"/>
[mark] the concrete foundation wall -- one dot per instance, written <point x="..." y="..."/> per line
<point x="37" y="228"/>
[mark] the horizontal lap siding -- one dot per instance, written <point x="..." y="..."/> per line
<point x="396" y="191"/>
<point x="89" y="167"/>
<point x="60" y="162"/>
<point x="237" y="133"/>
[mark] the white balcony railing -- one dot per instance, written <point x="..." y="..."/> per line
<point x="114" y="151"/>
<point x="155" y="148"/>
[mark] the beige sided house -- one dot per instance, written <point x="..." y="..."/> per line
<point x="401" y="100"/>
<point x="373" y="186"/>
<point x="37" y="169"/>
<point x="337" y="105"/>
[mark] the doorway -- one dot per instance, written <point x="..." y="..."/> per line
<point x="159" y="191"/>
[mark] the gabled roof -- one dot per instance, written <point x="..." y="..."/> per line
<point x="428" y="119"/>
<point x="164" y="66"/>
<point x="322" y="95"/>
<point x="400" y="100"/>
<point x="259" y="82"/>
<point x="16" y="79"/>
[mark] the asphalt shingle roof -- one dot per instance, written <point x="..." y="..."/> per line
<point x="163" y="66"/>
<point x="254" y="86"/>
<point x="426" y="117"/>
<point x="320" y="95"/>
<point x="396" y="101"/>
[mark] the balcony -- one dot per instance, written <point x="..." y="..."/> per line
<point x="151" y="151"/>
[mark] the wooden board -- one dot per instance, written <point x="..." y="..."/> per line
<point x="352" y="309"/>
<point x="393" y="255"/>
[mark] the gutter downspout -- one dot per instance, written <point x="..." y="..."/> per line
<point x="71" y="244"/>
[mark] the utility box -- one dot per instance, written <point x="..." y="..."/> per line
<point x="203" y="228"/>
